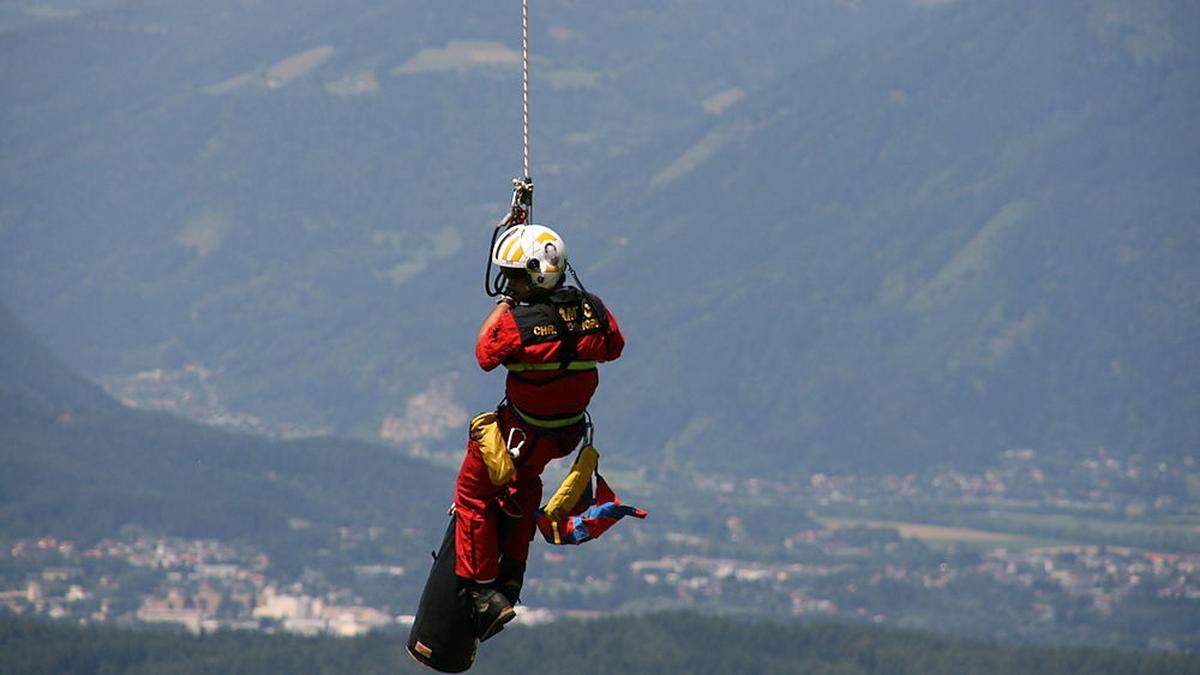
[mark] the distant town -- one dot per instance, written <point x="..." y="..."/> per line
<point x="1102" y="546"/>
<point x="198" y="584"/>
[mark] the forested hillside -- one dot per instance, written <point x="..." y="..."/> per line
<point x="655" y="643"/>
<point x="107" y="514"/>
<point x="975" y="234"/>
<point x="78" y="465"/>
<point x="34" y="384"/>
<point x="836" y="232"/>
<point x="300" y="204"/>
<point x="910" y="292"/>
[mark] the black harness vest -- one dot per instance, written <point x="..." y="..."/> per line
<point x="565" y="316"/>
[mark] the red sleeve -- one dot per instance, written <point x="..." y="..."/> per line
<point x="614" y="341"/>
<point x="498" y="342"/>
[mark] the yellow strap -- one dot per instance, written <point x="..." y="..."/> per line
<point x="572" y="365"/>
<point x="573" y="485"/>
<point x="547" y="423"/>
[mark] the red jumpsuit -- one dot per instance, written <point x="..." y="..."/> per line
<point x="542" y="403"/>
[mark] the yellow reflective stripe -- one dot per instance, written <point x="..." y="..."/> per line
<point x="509" y="247"/>
<point x="513" y="242"/>
<point x="557" y="537"/>
<point x="545" y="237"/>
<point x="572" y="365"/>
<point x="548" y="424"/>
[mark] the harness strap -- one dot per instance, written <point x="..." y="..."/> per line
<point x="568" y="341"/>
<point x="560" y="372"/>
<point x="548" y="422"/>
<point x="572" y="365"/>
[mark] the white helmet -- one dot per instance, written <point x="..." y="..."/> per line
<point x="536" y="249"/>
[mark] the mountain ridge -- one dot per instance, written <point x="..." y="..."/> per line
<point x="939" y="296"/>
<point x="79" y="465"/>
<point x="913" y="216"/>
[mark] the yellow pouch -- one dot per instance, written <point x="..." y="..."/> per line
<point x="573" y="485"/>
<point x="485" y="430"/>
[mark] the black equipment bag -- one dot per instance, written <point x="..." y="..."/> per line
<point x="443" y="635"/>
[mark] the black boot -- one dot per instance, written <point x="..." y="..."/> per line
<point x="489" y="609"/>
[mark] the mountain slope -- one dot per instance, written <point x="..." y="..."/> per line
<point x="34" y="384"/>
<point x="299" y="200"/>
<point x="978" y="234"/>
<point x="950" y="230"/>
<point x="76" y="464"/>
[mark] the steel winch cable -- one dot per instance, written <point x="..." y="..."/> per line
<point x="521" y="209"/>
<point x="525" y="90"/>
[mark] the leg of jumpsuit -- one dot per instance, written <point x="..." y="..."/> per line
<point x="528" y="481"/>
<point x="529" y="496"/>
<point x="476" y="539"/>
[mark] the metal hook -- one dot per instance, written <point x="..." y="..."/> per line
<point x="515" y="451"/>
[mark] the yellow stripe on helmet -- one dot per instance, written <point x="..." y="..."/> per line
<point x="512" y="241"/>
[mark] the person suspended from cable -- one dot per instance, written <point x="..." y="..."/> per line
<point x="550" y="337"/>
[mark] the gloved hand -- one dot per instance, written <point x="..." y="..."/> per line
<point x="509" y="504"/>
